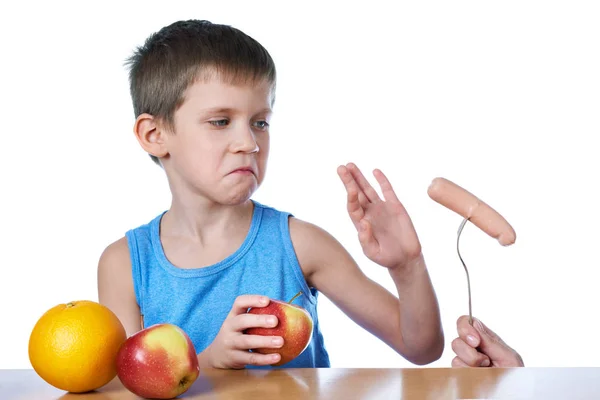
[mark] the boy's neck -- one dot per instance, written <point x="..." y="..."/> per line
<point x="206" y="218"/>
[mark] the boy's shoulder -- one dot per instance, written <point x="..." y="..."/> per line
<point x="115" y="258"/>
<point x="115" y="261"/>
<point x="116" y="254"/>
<point x="314" y="246"/>
<point x="116" y="247"/>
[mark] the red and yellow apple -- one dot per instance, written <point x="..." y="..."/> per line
<point x="158" y="362"/>
<point x="295" y="326"/>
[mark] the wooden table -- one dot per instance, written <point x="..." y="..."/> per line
<point x="412" y="383"/>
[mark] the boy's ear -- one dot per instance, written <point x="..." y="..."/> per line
<point x="150" y="134"/>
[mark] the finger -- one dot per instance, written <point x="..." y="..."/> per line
<point x="248" y="342"/>
<point x="469" y="355"/>
<point x="481" y="327"/>
<point x="363" y="184"/>
<point x="355" y="196"/>
<point x="242" y="322"/>
<point x="466" y="332"/>
<point x="363" y="200"/>
<point x="386" y="187"/>
<point x="492" y="345"/>
<point x="244" y="302"/>
<point x="254" y="358"/>
<point x="367" y="240"/>
<point x="458" y="363"/>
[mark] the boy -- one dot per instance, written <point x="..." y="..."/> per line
<point x="202" y="96"/>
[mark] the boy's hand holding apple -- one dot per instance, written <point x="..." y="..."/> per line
<point x="295" y="326"/>
<point x="230" y="348"/>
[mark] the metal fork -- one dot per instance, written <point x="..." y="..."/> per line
<point x="460" y="229"/>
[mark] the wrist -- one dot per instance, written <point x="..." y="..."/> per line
<point x="204" y="360"/>
<point x="408" y="269"/>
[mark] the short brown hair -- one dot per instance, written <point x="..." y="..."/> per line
<point x="171" y="59"/>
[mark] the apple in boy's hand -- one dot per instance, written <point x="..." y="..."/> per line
<point x="158" y="362"/>
<point x="295" y="326"/>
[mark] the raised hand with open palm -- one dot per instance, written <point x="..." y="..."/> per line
<point x="385" y="230"/>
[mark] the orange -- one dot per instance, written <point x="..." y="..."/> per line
<point x="74" y="346"/>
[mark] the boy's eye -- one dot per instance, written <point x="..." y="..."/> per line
<point x="261" y="124"/>
<point x="219" y="122"/>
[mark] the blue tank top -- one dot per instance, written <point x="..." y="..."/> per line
<point x="198" y="300"/>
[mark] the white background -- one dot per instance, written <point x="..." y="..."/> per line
<point x="501" y="97"/>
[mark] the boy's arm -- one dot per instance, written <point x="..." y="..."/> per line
<point x="115" y="285"/>
<point x="409" y="324"/>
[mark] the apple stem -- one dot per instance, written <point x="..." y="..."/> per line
<point x="294" y="298"/>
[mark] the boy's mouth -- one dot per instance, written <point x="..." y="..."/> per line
<point x="243" y="171"/>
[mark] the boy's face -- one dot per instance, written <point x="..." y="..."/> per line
<point x="220" y="146"/>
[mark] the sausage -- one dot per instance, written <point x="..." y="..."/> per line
<point x="459" y="200"/>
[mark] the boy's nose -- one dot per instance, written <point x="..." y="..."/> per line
<point x="245" y="142"/>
